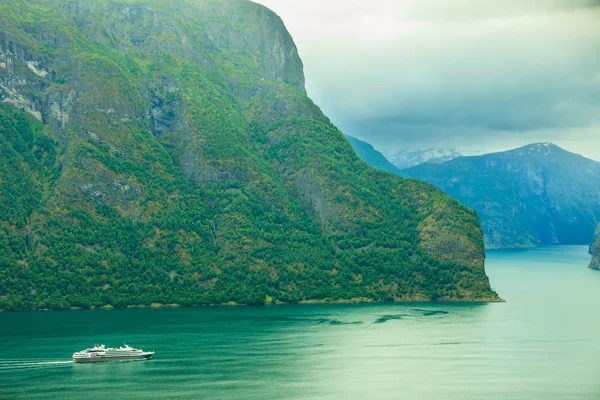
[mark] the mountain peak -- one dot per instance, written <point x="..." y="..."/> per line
<point x="543" y="148"/>
<point x="542" y="145"/>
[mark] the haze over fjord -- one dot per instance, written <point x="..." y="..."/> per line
<point x="475" y="76"/>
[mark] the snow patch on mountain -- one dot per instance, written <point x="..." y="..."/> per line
<point x="536" y="148"/>
<point x="412" y="157"/>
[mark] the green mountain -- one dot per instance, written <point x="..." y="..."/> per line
<point x="537" y="194"/>
<point x="371" y="156"/>
<point x="167" y="152"/>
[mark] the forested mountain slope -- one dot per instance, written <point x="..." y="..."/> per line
<point x="167" y="152"/>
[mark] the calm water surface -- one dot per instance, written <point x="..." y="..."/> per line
<point x="543" y="343"/>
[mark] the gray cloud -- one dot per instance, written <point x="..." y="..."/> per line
<point x="472" y="75"/>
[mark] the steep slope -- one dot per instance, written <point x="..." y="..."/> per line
<point x="174" y="157"/>
<point x="538" y="194"/>
<point x="371" y="156"/>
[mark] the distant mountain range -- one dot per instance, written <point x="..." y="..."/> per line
<point x="395" y="161"/>
<point x="537" y="194"/>
<point x="410" y="158"/>
<point x="534" y="195"/>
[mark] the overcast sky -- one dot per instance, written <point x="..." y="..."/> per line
<point x="475" y="75"/>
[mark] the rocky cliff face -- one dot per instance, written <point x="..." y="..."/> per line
<point x="595" y="264"/>
<point x="167" y="152"/>
<point x="595" y="249"/>
<point x="595" y="238"/>
<point x="538" y="194"/>
<point x="47" y="82"/>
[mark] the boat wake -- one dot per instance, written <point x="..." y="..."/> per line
<point x="8" y="365"/>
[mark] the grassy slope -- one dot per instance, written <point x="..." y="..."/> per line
<point x="251" y="196"/>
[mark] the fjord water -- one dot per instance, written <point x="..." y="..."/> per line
<point x="543" y="343"/>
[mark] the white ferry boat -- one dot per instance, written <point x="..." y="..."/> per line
<point x="99" y="353"/>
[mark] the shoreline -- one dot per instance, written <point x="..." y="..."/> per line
<point x="109" y="307"/>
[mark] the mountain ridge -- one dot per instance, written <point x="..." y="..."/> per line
<point x="374" y="158"/>
<point x="410" y="158"/>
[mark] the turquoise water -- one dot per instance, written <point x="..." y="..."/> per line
<point x="543" y="343"/>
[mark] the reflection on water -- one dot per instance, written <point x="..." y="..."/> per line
<point x="541" y="344"/>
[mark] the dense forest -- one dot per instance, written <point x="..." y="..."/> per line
<point x="157" y="152"/>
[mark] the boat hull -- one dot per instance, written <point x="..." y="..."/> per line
<point x="101" y="359"/>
